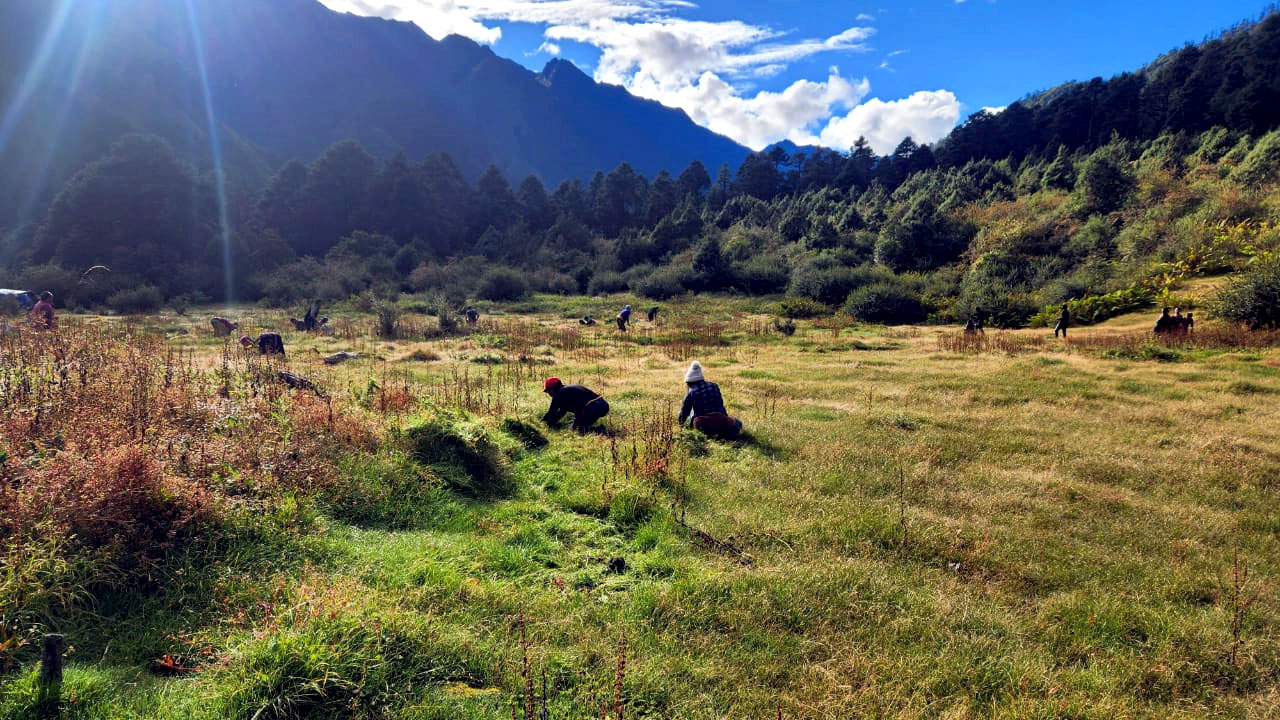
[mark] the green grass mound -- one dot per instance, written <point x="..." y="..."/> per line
<point x="526" y="433"/>
<point x="466" y="457"/>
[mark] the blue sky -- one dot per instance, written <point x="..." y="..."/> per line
<point x="827" y="71"/>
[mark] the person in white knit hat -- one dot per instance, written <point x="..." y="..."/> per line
<point x="703" y="406"/>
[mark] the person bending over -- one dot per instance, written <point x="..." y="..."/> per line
<point x="267" y="343"/>
<point x="586" y="406"/>
<point x="704" y="407"/>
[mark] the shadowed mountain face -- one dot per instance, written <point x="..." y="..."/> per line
<point x="288" y="78"/>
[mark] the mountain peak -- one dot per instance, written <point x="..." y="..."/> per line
<point x="560" y="72"/>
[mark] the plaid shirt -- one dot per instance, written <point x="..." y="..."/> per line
<point x="702" y="399"/>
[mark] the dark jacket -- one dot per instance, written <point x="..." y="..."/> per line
<point x="270" y="344"/>
<point x="702" y="399"/>
<point x="569" y="399"/>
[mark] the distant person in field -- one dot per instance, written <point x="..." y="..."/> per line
<point x="42" y="317"/>
<point x="587" y="320"/>
<point x="624" y="318"/>
<point x="472" y="315"/>
<point x="703" y="406"/>
<point x="1164" y="323"/>
<point x="978" y="325"/>
<point x="653" y="313"/>
<point x="312" y="319"/>
<point x="222" y="327"/>
<point x="971" y="327"/>
<point x="1179" y="323"/>
<point x="1189" y="324"/>
<point x="586" y="406"/>
<point x="1064" y="322"/>
<point x="267" y="343"/>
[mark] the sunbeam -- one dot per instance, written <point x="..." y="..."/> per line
<point x="35" y="187"/>
<point x="215" y="150"/>
<point x="34" y="73"/>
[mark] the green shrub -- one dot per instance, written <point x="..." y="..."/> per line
<point x="1262" y="164"/>
<point x="1106" y="181"/>
<point x="607" y="283"/>
<point x="502" y="285"/>
<point x="998" y="306"/>
<point x="802" y="307"/>
<point x="465" y="457"/>
<point x="135" y="301"/>
<point x="665" y="283"/>
<point x="763" y="275"/>
<point x="1253" y="298"/>
<point x="1095" y="308"/>
<point x="831" y="284"/>
<point x="890" y="303"/>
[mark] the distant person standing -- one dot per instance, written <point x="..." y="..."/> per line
<point x="472" y="315"/>
<point x="1164" y="323"/>
<point x="42" y="317"/>
<point x="1064" y="322"/>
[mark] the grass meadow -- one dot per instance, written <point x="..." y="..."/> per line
<point x="912" y="527"/>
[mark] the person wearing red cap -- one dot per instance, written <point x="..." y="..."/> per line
<point x="587" y="406"/>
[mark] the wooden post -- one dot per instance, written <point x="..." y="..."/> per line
<point x="51" y="669"/>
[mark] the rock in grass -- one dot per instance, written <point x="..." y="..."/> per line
<point x="340" y="357"/>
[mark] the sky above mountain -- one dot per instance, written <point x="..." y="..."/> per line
<point x="826" y="71"/>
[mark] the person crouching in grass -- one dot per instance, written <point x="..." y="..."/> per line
<point x="704" y="407"/>
<point x="587" y="406"/>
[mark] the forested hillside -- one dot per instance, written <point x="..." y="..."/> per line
<point x="1102" y="189"/>
<point x="288" y="78"/>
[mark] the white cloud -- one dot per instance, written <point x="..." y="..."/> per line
<point x="926" y="117"/>
<point x="439" y="18"/>
<point x="994" y="110"/>
<point x="684" y="64"/>
<point x="703" y="68"/>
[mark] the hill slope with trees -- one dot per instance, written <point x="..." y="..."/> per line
<point x="288" y="78"/>
<point x="1014" y="211"/>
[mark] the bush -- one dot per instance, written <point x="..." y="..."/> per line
<point x="885" y="302"/>
<point x="1262" y="164"/>
<point x="607" y="283"/>
<point x="1095" y="308"/>
<point x="557" y="283"/>
<point x="997" y="305"/>
<point x="802" y="307"/>
<point x="134" y="301"/>
<point x="468" y="460"/>
<point x="502" y="285"/>
<point x="763" y="275"/>
<point x="829" y="285"/>
<point x="1106" y="181"/>
<point x="1253" y="298"/>
<point x="664" y="283"/>
<point x="388" y="312"/>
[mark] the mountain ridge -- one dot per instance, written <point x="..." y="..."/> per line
<point x="289" y="79"/>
